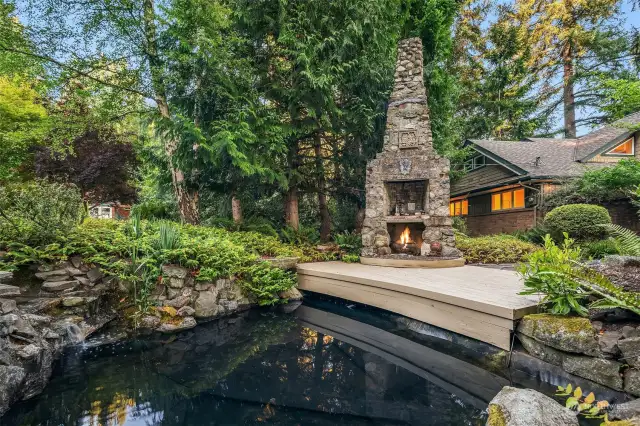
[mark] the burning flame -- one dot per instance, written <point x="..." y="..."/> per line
<point x="405" y="237"/>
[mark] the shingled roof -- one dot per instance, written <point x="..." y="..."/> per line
<point x="548" y="157"/>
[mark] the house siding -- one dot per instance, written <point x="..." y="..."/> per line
<point x="501" y="222"/>
<point x="490" y="174"/>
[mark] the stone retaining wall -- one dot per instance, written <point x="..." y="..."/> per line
<point x="609" y="356"/>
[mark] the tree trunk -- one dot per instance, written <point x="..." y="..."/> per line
<point x="187" y="200"/>
<point x="568" y="92"/>
<point x="323" y="208"/>
<point x="291" y="216"/>
<point x="236" y="209"/>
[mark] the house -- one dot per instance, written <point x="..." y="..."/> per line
<point x="110" y="211"/>
<point x="506" y="181"/>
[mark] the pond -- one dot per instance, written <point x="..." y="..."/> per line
<point x="323" y="364"/>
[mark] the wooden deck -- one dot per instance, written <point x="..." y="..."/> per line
<point x="477" y="302"/>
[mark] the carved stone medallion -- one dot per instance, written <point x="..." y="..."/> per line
<point x="405" y="166"/>
<point x="407" y="139"/>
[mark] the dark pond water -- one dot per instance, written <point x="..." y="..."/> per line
<point x="309" y="367"/>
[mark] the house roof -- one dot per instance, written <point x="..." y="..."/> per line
<point x="549" y="157"/>
<point x="606" y="137"/>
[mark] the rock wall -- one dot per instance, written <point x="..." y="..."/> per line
<point x="610" y="357"/>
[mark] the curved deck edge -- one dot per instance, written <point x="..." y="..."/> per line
<point x="412" y="263"/>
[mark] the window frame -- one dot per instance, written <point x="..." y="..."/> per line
<point x="500" y="196"/>
<point x="462" y="203"/>
<point x="474" y="163"/>
<point x="610" y="152"/>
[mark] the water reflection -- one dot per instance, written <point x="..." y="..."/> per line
<point x="257" y="368"/>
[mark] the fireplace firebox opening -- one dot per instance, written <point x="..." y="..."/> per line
<point x="407" y="198"/>
<point x="406" y="238"/>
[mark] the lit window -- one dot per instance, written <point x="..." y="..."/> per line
<point x="459" y="208"/>
<point x="508" y="200"/>
<point x="474" y="163"/>
<point x="625" y="148"/>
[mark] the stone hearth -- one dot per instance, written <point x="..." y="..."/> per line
<point x="408" y="182"/>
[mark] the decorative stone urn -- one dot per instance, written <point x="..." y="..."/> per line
<point x="407" y="183"/>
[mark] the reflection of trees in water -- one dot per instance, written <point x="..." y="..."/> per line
<point x="212" y="375"/>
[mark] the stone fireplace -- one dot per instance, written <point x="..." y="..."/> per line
<point x="407" y="184"/>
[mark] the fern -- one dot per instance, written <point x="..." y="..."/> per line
<point x="628" y="240"/>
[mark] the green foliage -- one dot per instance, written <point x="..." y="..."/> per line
<point x="304" y="235"/>
<point x="599" y="186"/>
<point x="350" y="258"/>
<point x="599" y="249"/>
<point x="22" y="124"/>
<point x="460" y="224"/>
<point x="136" y="249"/>
<point x="533" y="235"/>
<point x="349" y="242"/>
<point x="265" y="282"/>
<point x="627" y="241"/>
<point x="253" y="224"/>
<point x="565" y="284"/>
<point x="583" y="222"/>
<point x="494" y="248"/>
<point x="543" y="275"/>
<point x="37" y="212"/>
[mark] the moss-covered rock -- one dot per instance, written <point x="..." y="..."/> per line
<point x="603" y="371"/>
<point x="526" y="407"/>
<point x="569" y="334"/>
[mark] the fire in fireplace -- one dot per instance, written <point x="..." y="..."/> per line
<point x="406" y="238"/>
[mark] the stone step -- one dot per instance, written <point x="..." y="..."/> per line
<point x="57" y="275"/>
<point x="6" y="276"/>
<point x="59" y="285"/>
<point x="9" y="290"/>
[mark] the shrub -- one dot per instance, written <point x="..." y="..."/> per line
<point x="303" y="235"/>
<point x="534" y="235"/>
<point x="582" y="222"/>
<point x="460" y="224"/>
<point x="37" y="212"/>
<point x="350" y="258"/>
<point x="349" y="242"/>
<point x="494" y="248"/>
<point x="627" y="241"/>
<point x="599" y="249"/>
<point x="565" y="284"/>
<point x="265" y="282"/>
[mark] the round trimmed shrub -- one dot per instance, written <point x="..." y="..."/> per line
<point x="583" y="222"/>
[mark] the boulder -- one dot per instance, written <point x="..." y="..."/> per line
<point x="15" y="324"/>
<point x="149" y="321"/>
<point x="76" y="261"/>
<point x="11" y="380"/>
<point x="178" y="302"/>
<point x="7" y="306"/>
<point x="56" y="286"/>
<point x="175" y="282"/>
<point x="173" y="271"/>
<point x="9" y="290"/>
<point x="569" y="334"/>
<point x="608" y="342"/>
<point x="603" y="371"/>
<point x="186" y="311"/>
<point x="83" y="280"/>
<point x="284" y="262"/>
<point x="632" y="383"/>
<point x="540" y="351"/>
<point x="629" y="332"/>
<point x="94" y="274"/>
<point x="451" y="252"/>
<point x="187" y="323"/>
<point x="6" y="276"/>
<point x="630" y="349"/>
<point x="206" y="304"/>
<point x="70" y="302"/>
<point x="56" y="275"/>
<point x="291" y="294"/>
<point x="526" y="407"/>
<point x="29" y="352"/>
<point x="624" y="411"/>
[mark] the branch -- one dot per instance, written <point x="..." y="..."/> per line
<point x="75" y="70"/>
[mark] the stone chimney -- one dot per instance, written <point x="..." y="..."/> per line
<point x="408" y="183"/>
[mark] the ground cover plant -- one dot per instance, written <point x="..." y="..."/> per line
<point x="568" y="286"/>
<point x="134" y="250"/>
<point x="494" y="248"/>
